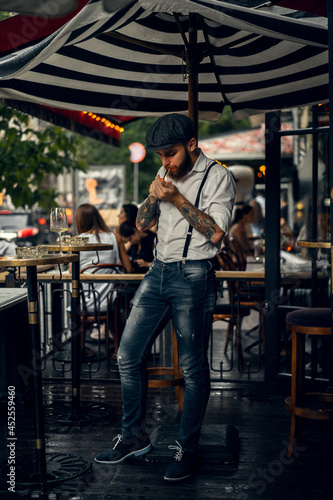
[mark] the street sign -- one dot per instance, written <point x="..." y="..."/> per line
<point x="138" y="152"/>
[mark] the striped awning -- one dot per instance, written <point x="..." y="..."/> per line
<point x="135" y="61"/>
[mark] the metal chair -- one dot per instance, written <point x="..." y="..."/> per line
<point x="232" y="313"/>
<point x="110" y="317"/>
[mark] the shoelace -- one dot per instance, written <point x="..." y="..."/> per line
<point x="118" y="437"/>
<point x="179" y="451"/>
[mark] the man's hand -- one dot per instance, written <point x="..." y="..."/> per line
<point x="164" y="190"/>
<point x="202" y="222"/>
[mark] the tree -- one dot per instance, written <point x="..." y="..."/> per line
<point x="28" y="156"/>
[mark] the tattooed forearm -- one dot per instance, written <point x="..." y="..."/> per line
<point x="147" y="215"/>
<point x="202" y="222"/>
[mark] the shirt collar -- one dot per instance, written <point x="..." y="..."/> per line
<point x="200" y="164"/>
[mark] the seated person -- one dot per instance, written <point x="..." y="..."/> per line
<point x="128" y="212"/>
<point x="89" y="222"/>
<point x="141" y="251"/>
<point x="287" y="236"/>
<point x="238" y="229"/>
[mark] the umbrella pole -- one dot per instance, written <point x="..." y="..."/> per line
<point x="192" y="68"/>
<point x="330" y="138"/>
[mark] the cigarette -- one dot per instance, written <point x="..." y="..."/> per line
<point x="166" y="176"/>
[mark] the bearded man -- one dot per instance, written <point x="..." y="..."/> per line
<point x="191" y="200"/>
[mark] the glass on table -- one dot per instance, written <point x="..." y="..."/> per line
<point x="67" y="239"/>
<point x="42" y="250"/>
<point x="31" y="252"/>
<point x="75" y="240"/>
<point x="80" y="240"/>
<point x="21" y="252"/>
<point x="58" y="223"/>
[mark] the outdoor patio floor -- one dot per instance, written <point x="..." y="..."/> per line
<point x="259" y="469"/>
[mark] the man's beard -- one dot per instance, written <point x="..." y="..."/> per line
<point x="183" y="169"/>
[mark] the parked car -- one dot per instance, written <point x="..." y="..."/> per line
<point x="25" y="227"/>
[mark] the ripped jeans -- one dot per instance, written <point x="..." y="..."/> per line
<point x="186" y="293"/>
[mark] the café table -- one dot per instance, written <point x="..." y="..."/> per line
<point x="76" y="316"/>
<point x="40" y="474"/>
<point x="316" y="244"/>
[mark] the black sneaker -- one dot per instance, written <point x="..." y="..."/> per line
<point x="123" y="449"/>
<point x="182" y="465"/>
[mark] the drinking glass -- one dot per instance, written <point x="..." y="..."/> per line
<point x="59" y="223"/>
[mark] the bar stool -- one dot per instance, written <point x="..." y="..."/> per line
<point x="302" y="322"/>
<point x="173" y="372"/>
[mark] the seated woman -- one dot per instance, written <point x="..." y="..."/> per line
<point x="141" y="251"/>
<point x="128" y="212"/>
<point x="89" y="222"/>
<point x="238" y="229"/>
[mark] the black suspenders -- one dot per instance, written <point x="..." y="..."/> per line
<point x="190" y="229"/>
<point x="196" y="204"/>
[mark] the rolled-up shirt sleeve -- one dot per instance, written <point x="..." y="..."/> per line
<point x="219" y="196"/>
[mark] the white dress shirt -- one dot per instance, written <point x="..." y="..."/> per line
<point x="216" y="199"/>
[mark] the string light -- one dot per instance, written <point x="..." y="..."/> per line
<point x="107" y="123"/>
<point x="263" y="169"/>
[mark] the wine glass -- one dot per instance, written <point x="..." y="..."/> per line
<point x="59" y="223"/>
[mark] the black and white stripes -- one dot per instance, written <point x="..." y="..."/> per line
<point x="254" y="59"/>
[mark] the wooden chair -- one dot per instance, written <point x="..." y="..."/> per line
<point x="302" y="322"/>
<point x="172" y="375"/>
<point x="236" y="253"/>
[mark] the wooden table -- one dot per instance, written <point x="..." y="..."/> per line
<point x="314" y="244"/>
<point x="134" y="278"/>
<point x="318" y="244"/>
<point x="34" y="330"/>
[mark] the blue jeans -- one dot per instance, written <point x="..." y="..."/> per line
<point x="185" y="293"/>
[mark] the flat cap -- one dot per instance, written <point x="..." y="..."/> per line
<point x="169" y="130"/>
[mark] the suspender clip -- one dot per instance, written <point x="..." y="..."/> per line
<point x="183" y="260"/>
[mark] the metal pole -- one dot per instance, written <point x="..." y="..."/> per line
<point x="74" y="195"/>
<point x="34" y="329"/>
<point x="192" y="68"/>
<point x="76" y="340"/>
<point x="272" y="245"/>
<point x="330" y="135"/>
<point x="314" y="215"/>
<point x="136" y="183"/>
